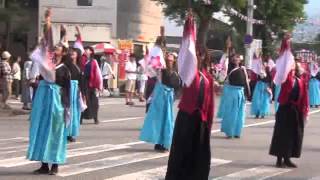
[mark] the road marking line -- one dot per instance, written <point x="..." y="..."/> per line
<point x="159" y="173"/>
<point x="20" y="161"/>
<point x="13" y="139"/>
<point x="121" y="119"/>
<point x="258" y="173"/>
<point x="23" y="148"/>
<point x="260" y="123"/>
<point x="315" y="178"/>
<point x="109" y="162"/>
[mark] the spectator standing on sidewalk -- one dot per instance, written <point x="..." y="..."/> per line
<point x="131" y="70"/>
<point x="5" y="77"/>
<point x="106" y="72"/>
<point x="16" y="74"/>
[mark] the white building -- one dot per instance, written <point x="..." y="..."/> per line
<point x="97" y="19"/>
<point x="105" y="20"/>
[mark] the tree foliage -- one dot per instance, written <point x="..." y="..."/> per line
<point x="279" y="15"/>
<point x="16" y="11"/>
<point x="177" y="10"/>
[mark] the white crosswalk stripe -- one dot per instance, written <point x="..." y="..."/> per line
<point x="122" y="156"/>
<point x="258" y="173"/>
<point x="159" y="173"/>
<point x="108" y="163"/>
<point x="20" y="161"/>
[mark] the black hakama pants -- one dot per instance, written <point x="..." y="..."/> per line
<point x="288" y="132"/>
<point x="92" y="101"/>
<point x="190" y="155"/>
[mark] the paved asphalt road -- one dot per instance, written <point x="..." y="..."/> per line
<point x="111" y="150"/>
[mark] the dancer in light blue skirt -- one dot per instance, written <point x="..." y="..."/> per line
<point x="232" y="104"/>
<point x="314" y="92"/>
<point x="49" y="119"/>
<point x="314" y="85"/>
<point x="261" y="99"/>
<point x="72" y="62"/>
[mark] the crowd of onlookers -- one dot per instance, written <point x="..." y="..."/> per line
<point x="11" y="75"/>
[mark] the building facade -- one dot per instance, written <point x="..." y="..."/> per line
<point x="104" y="20"/>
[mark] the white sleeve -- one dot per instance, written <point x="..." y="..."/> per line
<point x="34" y="72"/>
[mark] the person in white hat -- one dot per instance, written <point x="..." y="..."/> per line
<point x="5" y="77"/>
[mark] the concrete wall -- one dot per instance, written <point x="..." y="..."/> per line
<point x="139" y="18"/>
<point x="98" y="22"/>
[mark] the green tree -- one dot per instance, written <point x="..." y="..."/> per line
<point x="279" y="15"/>
<point x="177" y="10"/>
<point x="15" y="10"/>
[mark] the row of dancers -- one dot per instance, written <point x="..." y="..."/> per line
<point x="189" y="137"/>
<point x="69" y="79"/>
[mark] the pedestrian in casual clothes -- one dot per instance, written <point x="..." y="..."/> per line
<point x="131" y="70"/>
<point x="16" y="74"/>
<point x="142" y="78"/>
<point x="5" y="77"/>
<point x="92" y="82"/>
<point x="26" y="96"/>
<point x="106" y="71"/>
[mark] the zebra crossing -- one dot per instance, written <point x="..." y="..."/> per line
<point x="12" y="155"/>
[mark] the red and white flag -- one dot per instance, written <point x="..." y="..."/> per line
<point x="187" y="59"/>
<point x="285" y="63"/>
<point x="43" y="56"/>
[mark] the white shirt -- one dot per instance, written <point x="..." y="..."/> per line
<point x="34" y="71"/>
<point x="16" y="70"/>
<point x="132" y="67"/>
<point x="106" y="70"/>
<point x="27" y="69"/>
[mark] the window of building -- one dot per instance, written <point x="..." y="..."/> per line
<point x="85" y="2"/>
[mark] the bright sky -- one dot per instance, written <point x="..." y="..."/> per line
<point x="313" y="8"/>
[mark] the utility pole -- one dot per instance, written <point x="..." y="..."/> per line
<point x="248" y="57"/>
<point x="2" y="3"/>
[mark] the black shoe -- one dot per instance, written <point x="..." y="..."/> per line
<point x="257" y="116"/>
<point x="237" y="137"/>
<point x="44" y="169"/>
<point x="262" y="117"/>
<point x="157" y="147"/>
<point x="54" y="170"/>
<point x="96" y="121"/>
<point x="160" y="148"/>
<point x="71" y="139"/>
<point x="279" y="163"/>
<point x="289" y="164"/>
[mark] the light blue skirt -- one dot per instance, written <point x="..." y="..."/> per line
<point x="276" y="96"/>
<point x="158" y="123"/>
<point x="47" y="136"/>
<point x="314" y="92"/>
<point x="261" y="100"/>
<point x="232" y="110"/>
<point x="74" y="126"/>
